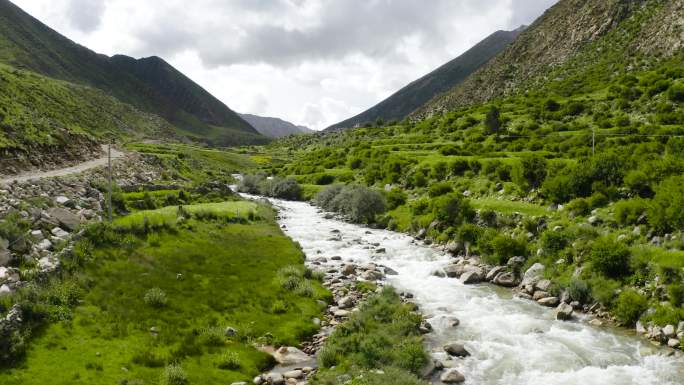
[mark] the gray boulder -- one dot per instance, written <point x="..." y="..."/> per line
<point x="533" y="275"/>
<point x="471" y="276"/>
<point x="549" y="301"/>
<point x="456" y="350"/>
<point x="506" y="280"/>
<point x="452" y="376"/>
<point x="66" y="218"/>
<point x="564" y="312"/>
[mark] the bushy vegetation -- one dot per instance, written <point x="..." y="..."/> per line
<point x="358" y="203"/>
<point x="283" y="188"/>
<point x="383" y="334"/>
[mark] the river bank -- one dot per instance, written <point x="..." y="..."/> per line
<point x="511" y="340"/>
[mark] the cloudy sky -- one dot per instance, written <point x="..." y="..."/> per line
<point x="312" y="62"/>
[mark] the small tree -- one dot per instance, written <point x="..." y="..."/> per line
<point x="493" y="120"/>
<point x="610" y="258"/>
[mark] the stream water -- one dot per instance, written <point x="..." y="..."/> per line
<point x="512" y="341"/>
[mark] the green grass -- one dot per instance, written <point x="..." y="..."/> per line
<point x="228" y="277"/>
<point x="169" y="216"/>
<point x="505" y="206"/>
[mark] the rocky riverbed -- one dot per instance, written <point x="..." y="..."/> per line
<point x="508" y="339"/>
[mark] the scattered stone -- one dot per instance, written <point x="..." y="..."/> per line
<point x="564" y="312"/>
<point x="543" y="285"/>
<point x="62" y="200"/>
<point x="456" y="350"/>
<point x="533" y="274"/>
<point x="230" y="332"/>
<point x="274" y="379"/>
<point x="669" y="331"/>
<point x="296" y="374"/>
<point x="452" y="376"/>
<point x="288" y="355"/>
<point x="471" y="277"/>
<point x="494" y="272"/>
<point x="505" y="279"/>
<point x="65" y="218"/>
<point x="596" y="322"/>
<point x="673" y="343"/>
<point x="549" y="301"/>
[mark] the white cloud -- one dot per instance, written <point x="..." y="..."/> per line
<point x="312" y="62"/>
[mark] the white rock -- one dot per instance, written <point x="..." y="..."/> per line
<point x="452" y="376"/>
<point x="45" y="244"/>
<point x="62" y="200"/>
<point x="4" y="289"/>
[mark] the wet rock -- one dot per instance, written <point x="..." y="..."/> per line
<point x="274" y="379"/>
<point x="389" y="271"/>
<point x="669" y="331"/>
<point x="296" y="374"/>
<point x="454" y="271"/>
<point x="640" y="329"/>
<point x="471" y="276"/>
<point x="371" y="275"/>
<point x="533" y="274"/>
<point x="564" y="312"/>
<point x="549" y="301"/>
<point x="348" y="270"/>
<point x="673" y="343"/>
<point x="345" y="302"/>
<point x="456" y="350"/>
<point x="541" y="294"/>
<point x="494" y="272"/>
<point x="439" y="273"/>
<point x="505" y="279"/>
<point x="543" y="285"/>
<point x="290" y="356"/>
<point x="452" y="376"/>
<point x="453" y="248"/>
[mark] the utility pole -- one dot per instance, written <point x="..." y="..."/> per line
<point x="593" y="141"/>
<point x="109" y="184"/>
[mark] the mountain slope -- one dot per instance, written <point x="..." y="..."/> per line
<point x="149" y="84"/>
<point x="573" y="40"/>
<point x="274" y="127"/>
<point x="408" y="99"/>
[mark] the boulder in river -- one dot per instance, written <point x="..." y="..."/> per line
<point x="505" y="279"/>
<point x="452" y="376"/>
<point x="494" y="272"/>
<point x="456" y="350"/>
<point x="564" y="312"/>
<point x="471" y="276"/>
<point x="549" y="301"/>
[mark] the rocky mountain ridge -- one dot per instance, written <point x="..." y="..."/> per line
<point x="274" y="127"/>
<point x="573" y="40"/>
<point x="417" y="93"/>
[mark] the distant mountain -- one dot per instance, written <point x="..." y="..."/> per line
<point x="575" y="40"/>
<point x="149" y="84"/>
<point x="408" y="99"/>
<point x="274" y="127"/>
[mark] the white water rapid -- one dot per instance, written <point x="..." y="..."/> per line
<point x="512" y="341"/>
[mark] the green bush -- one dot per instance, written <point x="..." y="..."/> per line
<point x="667" y="211"/>
<point x="629" y="306"/>
<point x="665" y="315"/>
<point x="675" y="294"/>
<point x="439" y="189"/>
<point x="452" y="209"/>
<point x="385" y="332"/>
<point x="628" y="212"/>
<point x="505" y="247"/>
<point x="553" y="242"/>
<point x="395" y="198"/>
<point x="610" y="258"/>
<point x="212" y="336"/>
<point x="579" y="291"/>
<point x="360" y="204"/>
<point x="229" y="361"/>
<point x="156" y="297"/>
<point x="174" y="375"/>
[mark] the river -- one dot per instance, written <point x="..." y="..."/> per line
<point x="512" y="341"/>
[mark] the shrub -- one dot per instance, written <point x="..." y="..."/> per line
<point x="282" y="188"/>
<point x="459" y="166"/>
<point x="610" y="258"/>
<point x="212" y="336"/>
<point x="360" y="204"/>
<point x="452" y="209"/>
<point x="579" y="206"/>
<point x="553" y="242"/>
<point x="629" y="306"/>
<point x="639" y="183"/>
<point x="395" y="198"/>
<point x="304" y="289"/>
<point x="155" y="297"/>
<point x="505" y="247"/>
<point x="675" y="294"/>
<point x="665" y="315"/>
<point x="439" y="189"/>
<point x="667" y="211"/>
<point x="628" y="212"/>
<point x="174" y="375"/>
<point x="493" y="120"/>
<point x="290" y="277"/>
<point x="250" y="184"/>
<point x="603" y="290"/>
<point x="530" y="173"/>
<point x="579" y="291"/>
<point x="229" y="361"/>
<point x="325" y="179"/>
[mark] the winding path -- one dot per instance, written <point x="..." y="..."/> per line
<point x="87" y="165"/>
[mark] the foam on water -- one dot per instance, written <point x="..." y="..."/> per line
<point x="512" y="341"/>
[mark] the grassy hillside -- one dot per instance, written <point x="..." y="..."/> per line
<point x="573" y="40"/>
<point x="37" y="112"/>
<point x="161" y="287"/>
<point x="150" y="84"/>
<point x="519" y="177"/>
<point x="410" y="98"/>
